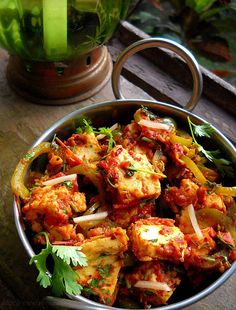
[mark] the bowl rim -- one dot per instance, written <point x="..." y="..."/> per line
<point x="138" y="102"/>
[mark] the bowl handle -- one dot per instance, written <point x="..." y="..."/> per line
<point x="163" y="43"/>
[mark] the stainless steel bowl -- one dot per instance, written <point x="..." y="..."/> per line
<point x="121" y="110"/>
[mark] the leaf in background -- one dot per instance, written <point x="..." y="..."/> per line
<point x="225" y="24"/>
<point x="156" y="4"/>
<point x="194" y="23"/>
<point x="214" y="48"/>
<point x="209" y="14"/>
<point x="144" y="17"/>
<point x="200" y="5"/>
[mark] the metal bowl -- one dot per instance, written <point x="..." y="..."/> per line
<point x="121" y="110"/>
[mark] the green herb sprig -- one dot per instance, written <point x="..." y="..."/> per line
<point x="134" y="169"/>
<point x="86" y="126"/>
<point x="109" y="134"/>
<point x="63" y="278"/>
<point x="206" y="130"/>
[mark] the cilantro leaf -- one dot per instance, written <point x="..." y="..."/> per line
<point x="148" y="113"/>
<point x="94" y="283"/>
<point x="224" y="166"/>
<point x="104" y="270"/>
<point x="206" y="130"/>
<point x="68" y="184"/>
<point x="109" y="133"/>
<point x="54" y="144"/>
<point x="86" y="126"/>
<point x="63" y="278"/>
<point x="43" y="278"/>
<point x="153" y="240"/>
<point x="133" y="169"/>
<point x="203" y="130"/>
<point x="70" y="255"/>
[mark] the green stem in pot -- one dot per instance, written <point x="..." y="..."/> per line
<point x="89" y="6"/>
<point x="55" y="28"/>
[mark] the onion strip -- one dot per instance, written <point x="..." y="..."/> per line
<point x="160" y="286"/>
<point x="194" y="222"/>
<point x="91" y="217"/>
<point x="69" y="177"/>
<point x="153" y="125"/>
<point x="112" y="128"/>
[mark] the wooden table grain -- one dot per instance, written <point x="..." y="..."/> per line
<point x="21" y="123"/>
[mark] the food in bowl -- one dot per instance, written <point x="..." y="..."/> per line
<point x="132" y="213"/>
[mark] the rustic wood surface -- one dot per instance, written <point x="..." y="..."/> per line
<point x="214" y="88"/>
<point x="21" y="122"/>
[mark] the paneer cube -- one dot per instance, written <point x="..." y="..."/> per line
<point x="153" y="283"/>
<point x="125" y="217"/>
<point x="49" y="209"/>
<point x="104" y="254"/>
<point x="157" y="238"/>
<point x="112" y="242"/>
<point x="191" y="193"/>
<point x="130" y="177"/>
<point x="100" y="278"/>
<point x="200" y="250"/>
<point x="85" y="146"/>
<point x="215" y="201"/>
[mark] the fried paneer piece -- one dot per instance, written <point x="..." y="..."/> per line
<point x="200" y="250"/>
<point x="125" y="217"/>
<point x="85" y="146"/>
<point x="49" y="209"/>
<point x="112" y="241"/>
<point x="160" y="273"/>
<point x="157" y="238"/>
<point x="104" y="253"/>
<point x="191" y="193"/>
<point x="130" y="177"/>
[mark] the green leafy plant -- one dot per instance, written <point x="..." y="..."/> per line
<point x="207" y="27"/>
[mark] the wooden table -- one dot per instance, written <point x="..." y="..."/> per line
<point x="21" y="122"/>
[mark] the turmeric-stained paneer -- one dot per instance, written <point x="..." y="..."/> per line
<point x="85" y="146"/>
<point x="192" y="193"/>
<point x="157" y="238"/>
<point x="200" y="250"/>
<point x="125" y="217"/>
<point x="50" y="208"/>
<point x="104" y="254"/>
<point x="130" y="177"/>
<point x="183" y="196"/>
<point x="153" y="283"/>
<point x="113" y="241"/>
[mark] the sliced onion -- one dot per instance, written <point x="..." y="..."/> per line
<point x="153" y="285"/>
<point x="91" y="217"/>
<point x="194" y="222"/>
<point x="153" y="125"/>
<point x="113" y="127"/>
<point x="69" y="177"/>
